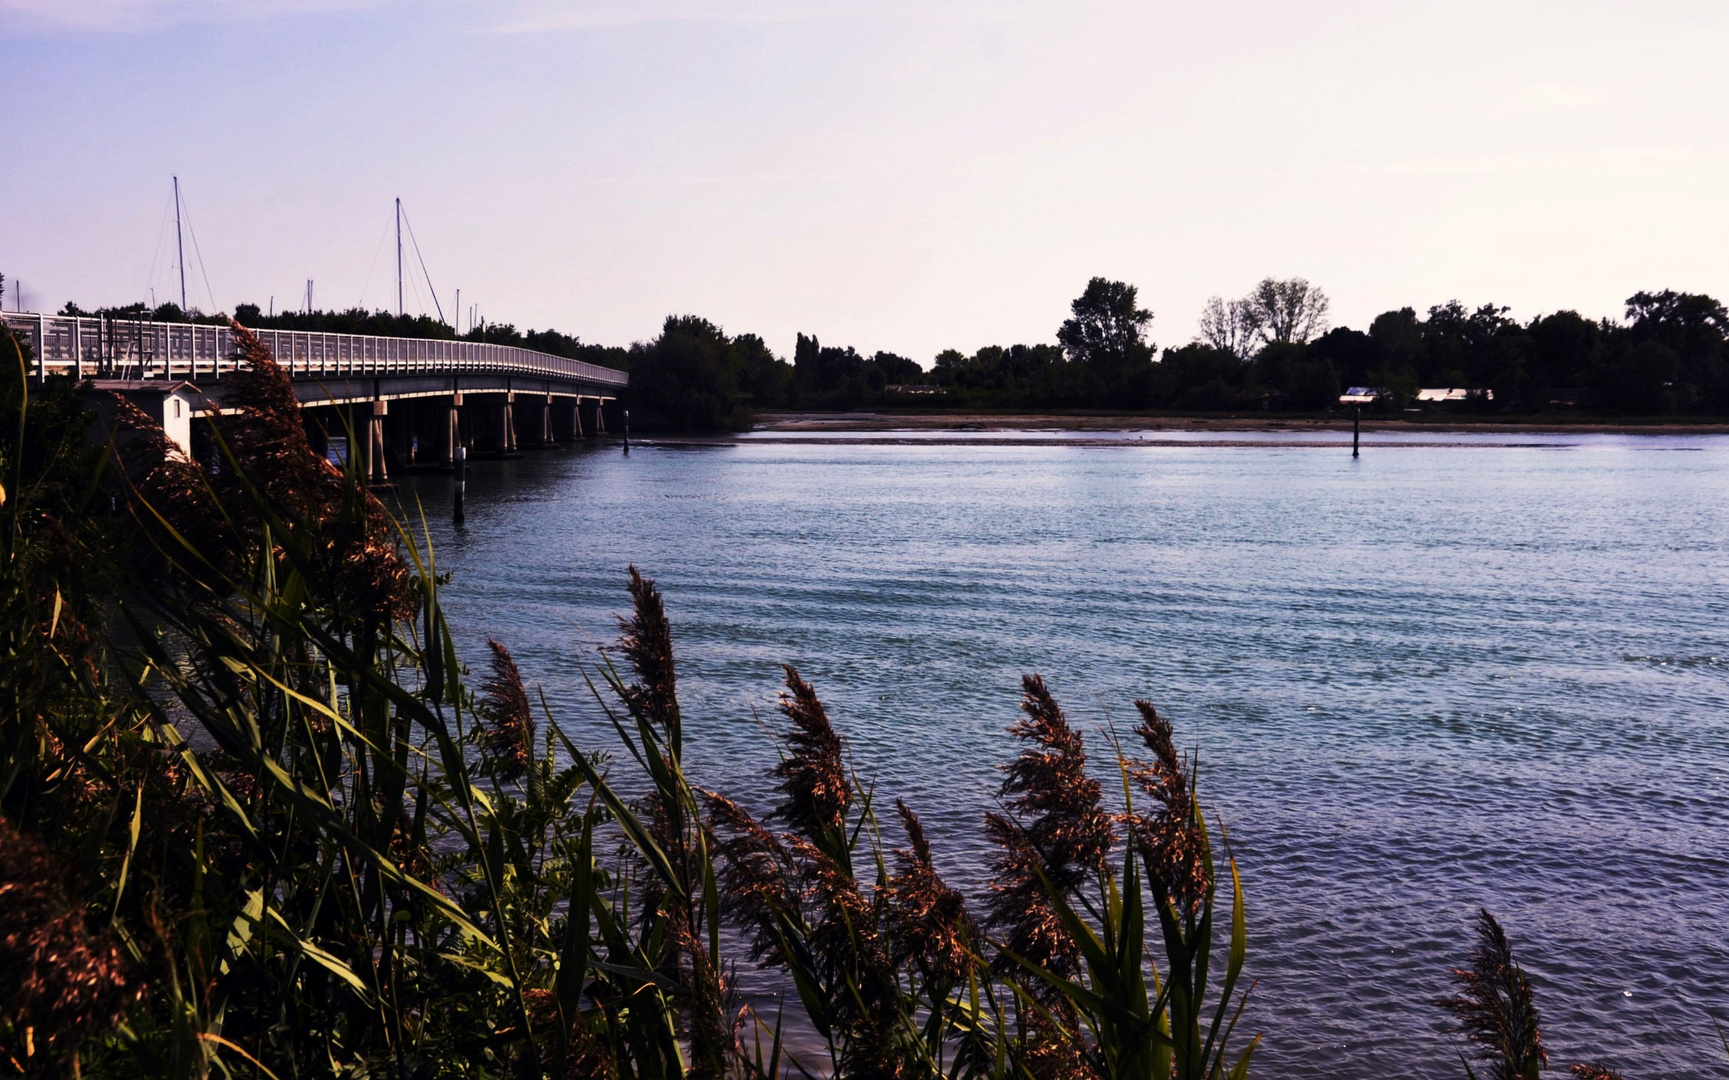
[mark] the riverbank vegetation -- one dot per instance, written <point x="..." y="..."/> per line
<point x="258" y="820"/>
<point x="1270" y="351"/>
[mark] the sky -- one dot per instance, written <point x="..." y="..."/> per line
<point x="889" y="175"/>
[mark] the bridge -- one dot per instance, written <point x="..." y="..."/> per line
<point x="413" y="401"/>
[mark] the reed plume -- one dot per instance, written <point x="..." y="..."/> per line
<point x="812" y="774"/>
<point x="267" y="434"/>
<point x="1172" y="837"/>
<point x="676" y="897"/>
<point x="1054" y="826"/>
<point x="63" y="982"/>
<point x="645" y="639"/>
<point x="928" y="920"/>
<point x="798" y="894"/>
<point x="1494" y="1007"/>
<point x="758" y="880"/>
<point x="508" y="733"/>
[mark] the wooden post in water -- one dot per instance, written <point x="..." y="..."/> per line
<point x="457" y="515"/>
<point x="627" y="431"/>
<point x="1356" y="431"/>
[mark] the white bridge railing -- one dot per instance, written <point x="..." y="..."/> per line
<point x="113" y="347"/>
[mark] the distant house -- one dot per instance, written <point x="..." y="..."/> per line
<point x="1455" y="393"/>
<point x="1363" y="395"/>
<point x="913" y="388"/>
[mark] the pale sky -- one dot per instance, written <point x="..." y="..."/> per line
<point x="889" y="175"/>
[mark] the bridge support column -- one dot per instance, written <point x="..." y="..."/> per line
<point x="546" y="438"/>
<point x="576" y="419"/>
<point x="452" y="428"/>
<point x="507" y="429"/>
<point x="376" y="472"/>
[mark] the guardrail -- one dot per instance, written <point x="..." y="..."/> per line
<point x="114" y="347"/>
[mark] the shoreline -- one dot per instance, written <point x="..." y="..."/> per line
<point x="814" y="422"/>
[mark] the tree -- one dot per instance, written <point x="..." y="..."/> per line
<point x="1199" y="377"/>
<point x="1107" y="336"/>
<point x="690" y="376"/>
<point x="1288" y="311"/>
<point x="1231" y="326"/>
<point x="1106" y="330"/>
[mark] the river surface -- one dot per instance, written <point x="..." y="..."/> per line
<point x="1463" y="670"/>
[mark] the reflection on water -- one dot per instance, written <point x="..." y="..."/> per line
<point x="1437" y="677"/>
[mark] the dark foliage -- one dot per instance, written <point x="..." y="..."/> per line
<point x="60" y="981"/>
<point x="694" y="377"/>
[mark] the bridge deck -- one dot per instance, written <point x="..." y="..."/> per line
<point x="143" y="349"/>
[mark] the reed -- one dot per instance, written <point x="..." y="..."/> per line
<point x="1495" y="1008"/>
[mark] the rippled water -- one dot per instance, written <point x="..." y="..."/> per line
<point x="1492" y="672"/>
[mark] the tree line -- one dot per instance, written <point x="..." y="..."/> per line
<point x="1271" y="350"/>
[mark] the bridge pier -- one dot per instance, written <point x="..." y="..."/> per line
<point x="507" y="424"/>
<point x="545" y="411"/>
<point x="576" y="419"/>
<point x="452" y="427"/>
<point x="376" y="472"/>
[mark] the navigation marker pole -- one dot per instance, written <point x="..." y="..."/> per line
<point x="1356" y="431"/>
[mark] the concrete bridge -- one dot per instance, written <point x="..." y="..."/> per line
<point x="411" y="401"/>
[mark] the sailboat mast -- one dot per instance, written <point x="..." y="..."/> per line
<point x="180" y="243"/>
<point x="399" y="258"/>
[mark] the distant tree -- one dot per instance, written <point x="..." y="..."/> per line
<point x="1107" y="335"/>
<point x="1019" y="375"/>
<point x="1200" y="378"/>
<point x="1106" y="328"/>
<point x="1350" y="352"/>
<point x="1637" y="377"/>
<point x="898" y="369"/>
<point x="1398" y="339"/>
<point x="687" y="379"/>
<point x="1565" y="347"/>
<point x="1693" y="327"/>
<point x="1288" y="311"/>
<point x="764" y="378"/>
<point x="1294" y="378"/>
<point x="1232" y="326"/>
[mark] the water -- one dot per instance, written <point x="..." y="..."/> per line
<point x="1486" y="673"/>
